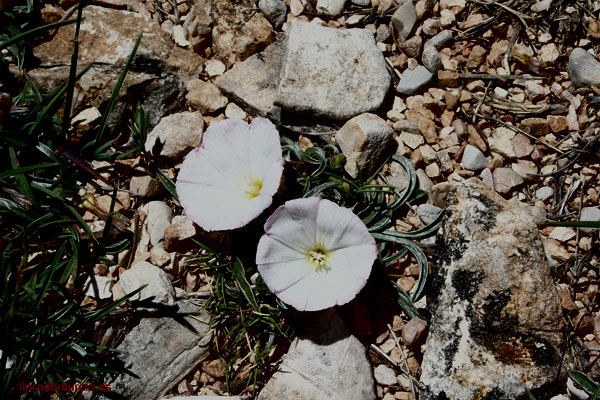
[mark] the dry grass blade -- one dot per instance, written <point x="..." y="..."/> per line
<point x="514" y="128"/>
<point x="519" y="108"/>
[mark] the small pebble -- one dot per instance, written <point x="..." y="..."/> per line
<point x="385" y="376"/>
<point x="544" y="193"/>
<point x="473" y="159"/>
<point x="413" y="331"/>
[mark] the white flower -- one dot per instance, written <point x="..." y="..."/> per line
<point x="315" y="254"/>
<point x="232" y="177"/>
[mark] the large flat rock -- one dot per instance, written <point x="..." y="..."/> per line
<point x="253" y="83"/>
<point x="332" y="73"/>
<point x="160" y="352"/>
<point x="496" y="326"/>
<point x="326" y="364"/>
<point x="157" y="75"/>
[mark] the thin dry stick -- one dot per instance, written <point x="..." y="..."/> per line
<point x="511" y="43"/>
<point x="486" y="76"/>
<point x="514" y="128"/>
<point x="507" y="8"/>
<point x="392" y="362"/>
<point x="478" y="106"/>
<point x="404" y="360"/>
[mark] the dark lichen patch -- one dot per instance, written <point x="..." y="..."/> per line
<point x="544" y="354"/>
<point x="449" y="353"/>
<point x="449" y="250"/>
<point x="486" y="216"/>
<point x="466" y="283"/>
<point x="494" y="304"/>
<point x="497" y="394"/>
<point x="498" y="331"/>
<point x="427" y="394"/>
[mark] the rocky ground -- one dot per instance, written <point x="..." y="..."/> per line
<point x="503" y="91"/>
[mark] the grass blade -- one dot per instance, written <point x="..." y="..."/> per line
<point x="115" y="93"/>
<point x="239" y="275"/>
<point x="34" y="32"/>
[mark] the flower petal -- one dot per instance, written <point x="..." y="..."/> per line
<point x="279" y="277"/>
<point x="339" y="227"/>
<point x="216" y="181"/>
<point x="295" y="223"/>
<point x="272" y="251"/>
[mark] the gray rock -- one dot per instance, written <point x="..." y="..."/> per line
<point x="198" y="26"/>
<point x="361" y="2"/>
<point x="473" y="159"/>
<point x="209" y="398"/>
<point x="428" y="212"/>
<point x="487" y="178"/>
<point x="155" y="79"/>
<point x="176" y="135"/>
<point x="505" y="179"/>
<point x="496" y="326"/>
<point x="274" y="10"/>
<point x="403" y="20"/>
<point x="237" y="31"/>
<point x="385" y="376"/>
<point x="320" y="365"/>
<point x="145" y="186"/>
<point x="158" y="217"/>
<point x="544" y="193"/>
<point x="440" y="39"/>
<point x="383" y="33"/>
<point x="252" y="84"/>
<point x="160" y="352"/>
<point x="364" y="141"/>
<point x="431" y="58"/>
<point x="589" y="214"/>
<point x="397" y="176"/>
<point x="414" y="80"/>
<point x="331" y="8"/>
<point x="332" y="73"/>
<point x="425" y="183"/>
<point x="158" y="286"/>
<point x="204" y="96"/>
<point x="584" y="69"/>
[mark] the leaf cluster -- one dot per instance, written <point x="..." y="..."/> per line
<point x="248" y="321"/>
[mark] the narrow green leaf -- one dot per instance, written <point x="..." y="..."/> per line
<point x="239" y="274"/>
<point x="34" y="32"/>
<point x="407" y="304"/>
<point x="115" y="93"/>
<point x="20" y="178"/>
<point x="167" y="183"/>
<point x="419" y="255"/>
<point x="588" y="384"/>
<point x="529" y="395"/>
<point x="22" y="170"/>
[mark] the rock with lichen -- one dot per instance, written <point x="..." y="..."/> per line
<point x="496" y="326"/>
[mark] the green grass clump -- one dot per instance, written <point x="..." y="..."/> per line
<point x="47" y="250"/>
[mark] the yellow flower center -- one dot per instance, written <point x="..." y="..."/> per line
<point x="318" y="259"/>
<point x="253" y="187"/>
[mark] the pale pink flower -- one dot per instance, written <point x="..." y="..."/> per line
<point x="315" y="254"/>
<point x="232" y="177"/>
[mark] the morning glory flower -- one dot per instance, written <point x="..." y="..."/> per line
<point x="232" y="177"/>
<point x="315" y="254"/>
